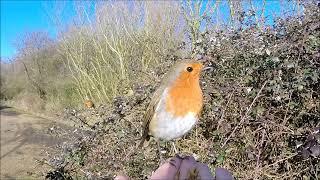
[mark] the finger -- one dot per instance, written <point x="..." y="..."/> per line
<point x="204" y="171"/>
<point x="168" y="170"/>
<point x="223" y="174"/>
<point x="187" y="168"/>
<point x="121" y="177"/>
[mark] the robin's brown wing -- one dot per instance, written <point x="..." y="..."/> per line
<point x="149" y="114"/>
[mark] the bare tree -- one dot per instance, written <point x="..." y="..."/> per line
<point x="195" y="15"/>
<point x="33" y="50"/>
<point x="106" y="53"/>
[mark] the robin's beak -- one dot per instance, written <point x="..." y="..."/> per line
<point x="203" y="60"/>
<point x="208" y="68"/>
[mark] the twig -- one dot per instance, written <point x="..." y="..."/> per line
<point x="222" y="116"/>
<point x="245" y="116"/>
<point x="287" y="109"/>
<point x="289" y="157"/>
<point x="260" y="149"/>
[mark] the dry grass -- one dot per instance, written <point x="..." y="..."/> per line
<point x="262" y="100"/>
<point x="96" y="57"/>
<point x="107" y="55"/>
<point x="258" y="121"/>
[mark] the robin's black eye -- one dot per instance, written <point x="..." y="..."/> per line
<point x="189" y="69"/>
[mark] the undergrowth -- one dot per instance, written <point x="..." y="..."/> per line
<point x="260" y="120"/>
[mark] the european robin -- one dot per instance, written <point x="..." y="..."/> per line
<point x="88" y="103"/>
<point x="176" y="105"/>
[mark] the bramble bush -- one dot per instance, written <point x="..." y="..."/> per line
<point x="261" y="116"/>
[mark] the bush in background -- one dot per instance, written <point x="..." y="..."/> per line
<point x="107" y="56"/>
<point x="261" y="114"/>
<point x="93" y="59"/>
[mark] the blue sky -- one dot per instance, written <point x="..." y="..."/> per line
<point x="18" y="17"/>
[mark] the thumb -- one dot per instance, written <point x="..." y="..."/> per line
<point x="223" y="174"/>
<point x="121" y="177"/>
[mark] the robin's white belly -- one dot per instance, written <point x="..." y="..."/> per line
<point x="166" y="126"/>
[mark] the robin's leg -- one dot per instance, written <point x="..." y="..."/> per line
<point x="159" y="150"/>
<point x="174" y="148"/>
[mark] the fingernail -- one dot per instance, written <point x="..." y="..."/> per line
<point x="121" y="177"/>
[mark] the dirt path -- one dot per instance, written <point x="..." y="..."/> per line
<point x="24" y="140"/>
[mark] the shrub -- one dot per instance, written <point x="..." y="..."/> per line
<point x="107" y="56"/>
<point x="260" y="116"/>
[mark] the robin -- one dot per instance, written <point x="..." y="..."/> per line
<point x="88" y="104"/>
<point x="176" y="105"/>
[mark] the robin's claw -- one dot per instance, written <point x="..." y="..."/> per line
<point x="178" y="156"/>
<point x="173" y="163"/>
<point x="193" y="174"/>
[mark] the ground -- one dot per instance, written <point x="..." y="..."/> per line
<point x="25" y="141"/>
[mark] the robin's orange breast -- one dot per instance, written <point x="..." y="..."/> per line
<point x="184" y="96"/>
<point x="178" y="109"/>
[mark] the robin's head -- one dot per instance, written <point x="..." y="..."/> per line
<point x="191" y="69"/>
<point x="184" y="92"/>
<point x="186" y="71"/>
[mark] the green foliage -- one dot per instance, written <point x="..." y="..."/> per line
<point x="13" y="81"/>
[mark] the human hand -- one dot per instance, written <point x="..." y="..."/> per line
<point x="185" y="168"/>
<point x="182" y="168"/>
